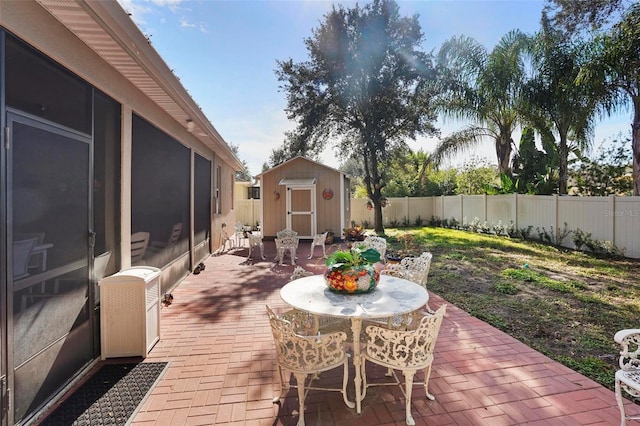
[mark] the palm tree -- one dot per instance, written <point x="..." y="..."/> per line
<point x="554" y="100"/>
<point x="615" y="68"/>
<point x="484" y="89"/>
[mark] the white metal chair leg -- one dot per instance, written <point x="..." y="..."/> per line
<point x="300" y="379"/>
<point x="620" y="401"/>
<point x="408" y="387"/>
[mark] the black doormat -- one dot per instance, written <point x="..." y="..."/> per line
<point x="109" y="397"/>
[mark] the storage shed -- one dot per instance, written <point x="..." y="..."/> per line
<point x="306" y="196"/>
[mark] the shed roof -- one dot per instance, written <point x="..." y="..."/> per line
<point x="295" y="159"/>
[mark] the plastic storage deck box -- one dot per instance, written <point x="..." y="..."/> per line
<point x="130" y="312"/>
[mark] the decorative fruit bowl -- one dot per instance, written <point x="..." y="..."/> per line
<point x="360" y="279"/>
<point x="352" y="271"/>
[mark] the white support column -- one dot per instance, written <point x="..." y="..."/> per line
<point x="125" y="187"/>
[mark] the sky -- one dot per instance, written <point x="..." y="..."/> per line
<point x="225" y="53"/>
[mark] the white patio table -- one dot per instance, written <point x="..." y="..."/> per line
<point x="392" y="296"/>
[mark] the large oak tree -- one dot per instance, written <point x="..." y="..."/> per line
<point x="365" y="90"/>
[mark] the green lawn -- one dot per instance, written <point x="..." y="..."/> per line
<point x="565" y="304"/>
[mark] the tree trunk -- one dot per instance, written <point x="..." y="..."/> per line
<point x="563" y="154"/>
<point x="503" y="153"/>
<point x="377" y="217"/>
<point x="635" y="144"/>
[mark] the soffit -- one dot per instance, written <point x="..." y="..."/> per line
<point x="108" y="30"/>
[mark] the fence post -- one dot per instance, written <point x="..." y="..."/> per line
<point x="406" y="208"/>
<point x="485" y="207"/>
<point x="514" y="211"/>
<point x="612" y="212"/>
<point x="461" y="208"/>
<point x="556" y="214"/>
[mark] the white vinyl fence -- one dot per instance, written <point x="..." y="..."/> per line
<point x="614" y="219"/>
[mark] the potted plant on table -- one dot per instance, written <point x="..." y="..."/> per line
<point x="352" y="271"/>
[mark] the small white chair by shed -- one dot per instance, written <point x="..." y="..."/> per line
<point x="255" y="243"/>
<point x="240" y="234"/>
<point x="406" y="350"/>
<point x="627" y="378"/>
<point x="378" y="243"/>
<point x="224" y="239"/>
<point x="306" y="357"/>
<point x="319" y="240"/>
<point x="286" y="240"/>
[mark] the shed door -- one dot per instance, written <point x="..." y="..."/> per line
<point x="301" y="208"/>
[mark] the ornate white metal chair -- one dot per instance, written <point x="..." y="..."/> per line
<point x="286" y="240"/>
<point x="255" y="243"/>
<point x="240" y="234"/>
<point x="306" y="357"/>
<point x="299" y="272"/>
<point x="224" y="239"/>
<point x="319" y="240"/>
<point x="378" y="243"/>
<point x="406" y="350"/>
<point x="414" y="269"/>
<point x="627" y="378"/>
<point x="316" y="323"/>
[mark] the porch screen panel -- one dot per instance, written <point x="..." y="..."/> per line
<point x="160" y="182"/>
<point x="45" y="89"/>
<point x="202" y="199"/>
<point x="50" y="181"/>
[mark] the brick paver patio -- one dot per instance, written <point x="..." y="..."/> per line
<point x="217" y="340"/>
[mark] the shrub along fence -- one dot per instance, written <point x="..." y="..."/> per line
<point x="606" y="219"/>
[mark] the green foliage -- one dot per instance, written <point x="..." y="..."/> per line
<point x="609" y="172"/>
<point x="506" y="186"/>
<point x="474" y="177"/>
<point x="554" y="237"/>
<point x="554" y="101"/>
<point x="506" y="288"/>
<point x="579" y="15"/>
<point x="484" y="88"/>
<point x="243" y="175"/>
<point x="410" y="174"/>
<point x="613" y="68"/>
<point x="356" y="256"/>
<point x="602" y="248"/>
<point x="533" y="168"/>
<point x="375" y="76"/>
<point x="529" y="275"/>
<point x="354" y="232"/>
<point x="592" y="367"/>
